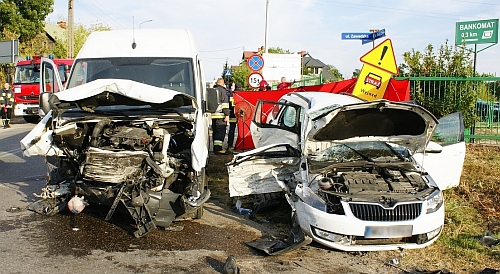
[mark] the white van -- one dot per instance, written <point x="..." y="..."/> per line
<point x="130" y="130"/>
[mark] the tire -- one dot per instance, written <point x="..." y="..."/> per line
<point x="32" y="119"/>
<point x="199" y="212"/>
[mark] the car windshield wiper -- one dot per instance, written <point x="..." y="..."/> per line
<point x="401" y="157"/>
<point x="359" y="153"/>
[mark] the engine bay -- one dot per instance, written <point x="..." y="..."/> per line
<point x="145" y="165"/>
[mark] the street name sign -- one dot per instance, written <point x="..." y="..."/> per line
<point x="357" y="35"/>
<point x="377" y="35"/>
<point x="476" y="32"/>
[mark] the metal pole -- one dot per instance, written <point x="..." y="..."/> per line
<point x="267" y="19"/>
<point x="475" y="56"/>
<point x="70" y="53"/>
<point x="145" y="22"/>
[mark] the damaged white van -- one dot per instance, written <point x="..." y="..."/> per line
<point x="130" y="131"/>
<point x="359" y="176"/>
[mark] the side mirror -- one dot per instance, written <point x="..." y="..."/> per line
<point x="44" y="103"/>
<point x="212" y="100"/>
<point x="433" y="147"/>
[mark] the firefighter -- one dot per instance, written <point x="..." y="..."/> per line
<point x="220" y="118"/>
<point x="232" y="118"/>
<point x="6" y="104"/>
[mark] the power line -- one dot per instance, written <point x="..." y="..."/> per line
<point x="242" y="47"/>
<point x="94" y="10"/>
<point x="387" y="9"/>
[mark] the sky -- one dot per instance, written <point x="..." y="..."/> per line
<point x="223" y="29"/>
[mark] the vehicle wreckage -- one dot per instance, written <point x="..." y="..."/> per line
<point x="358" y="176"/>
<point x="130" y="132"/>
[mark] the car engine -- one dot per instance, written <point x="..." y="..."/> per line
<point x="145" y="165"/>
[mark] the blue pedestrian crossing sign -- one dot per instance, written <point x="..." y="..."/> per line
<point x="227" y="72"/>
<point x="255" y="62"/>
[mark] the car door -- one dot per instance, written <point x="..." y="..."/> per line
<point x="50" y="82"/>
<point x="257" y="171"/>
<point x="276" y="122"/>
<point x="444" y="156"/>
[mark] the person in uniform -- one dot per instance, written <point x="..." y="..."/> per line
<point x="232" y="119"/>
<point x="220" y="118"/>
<point x="6" y="104"/>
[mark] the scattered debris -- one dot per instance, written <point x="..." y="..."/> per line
<point x="490" y="271"/>
<point x="242" y="210"/>
<point x="488" y="240"/>
<point x="174" y="228"/>
<point x="230" y="266"/>
<point x="296" y="239"/>
<point x="14" y="209"/>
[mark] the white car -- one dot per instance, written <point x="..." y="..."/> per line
<point x="359" y="176"/>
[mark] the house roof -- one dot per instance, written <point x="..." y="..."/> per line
<point x="55" y="31"/>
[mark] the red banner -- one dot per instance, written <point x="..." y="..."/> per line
<point x="245" y="101"/>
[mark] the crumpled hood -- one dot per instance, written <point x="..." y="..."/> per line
<point x="404" y="124"/>
<point x="106" y="92"/>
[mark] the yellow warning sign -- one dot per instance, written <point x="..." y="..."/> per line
<point x="372" y="83"/>
<point x="382" y="57"/>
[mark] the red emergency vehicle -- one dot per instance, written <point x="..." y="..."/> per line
<point x="27" y="85"/>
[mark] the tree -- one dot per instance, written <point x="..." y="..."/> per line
<point x="240" y="75"/>
<point x="23" y="18"/>
<point x="443" y="97"/>
<point x="279" y="50"/>
<point x="356" y="73"/>
<point x="80" y="34"/>
<point x="335" y="72"/>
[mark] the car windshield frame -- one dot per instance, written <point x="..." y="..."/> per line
<point x="173" y="73"/>
<point x="367" y="151"/>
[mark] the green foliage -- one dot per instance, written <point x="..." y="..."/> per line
<point x="336" y="73"/>
<point x="356" y="73"/>
<point x="240" y="75"/>
<point x="279" y="50"/>
<point x="443" y="97"/>
<point x="80" y="34"/>
<point x="24" y="18"/>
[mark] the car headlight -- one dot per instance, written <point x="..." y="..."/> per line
<point x="434" y="201"/>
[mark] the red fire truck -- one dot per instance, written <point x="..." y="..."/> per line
<point x="27" y="85"/>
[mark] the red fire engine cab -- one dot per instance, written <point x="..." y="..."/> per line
<point x="27" y="85"/>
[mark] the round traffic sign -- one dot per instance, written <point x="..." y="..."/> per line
<point x="254" y="79"/>
<point x="255" y="62"/>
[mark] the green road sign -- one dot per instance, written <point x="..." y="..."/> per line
<point x="476" y="32"/>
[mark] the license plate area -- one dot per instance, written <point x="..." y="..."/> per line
<point x="393" y="231"/>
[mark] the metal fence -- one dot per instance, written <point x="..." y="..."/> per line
<point x="477" y="97"/>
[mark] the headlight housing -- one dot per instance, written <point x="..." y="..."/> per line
<point x="434" y="201"/>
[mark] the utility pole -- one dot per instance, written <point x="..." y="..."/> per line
<point x="71" y="53"/>
<point x="267" y="19"/>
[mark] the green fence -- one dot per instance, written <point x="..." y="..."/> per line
<point x="477" y="98"/>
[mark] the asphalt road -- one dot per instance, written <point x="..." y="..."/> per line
<point x="85" y="243"/>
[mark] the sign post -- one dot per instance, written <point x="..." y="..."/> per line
<point x="477" y="32"/>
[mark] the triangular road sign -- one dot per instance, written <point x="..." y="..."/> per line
<point x="382" y="57"/>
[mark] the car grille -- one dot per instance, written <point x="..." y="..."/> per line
<point x="374" y="212"/>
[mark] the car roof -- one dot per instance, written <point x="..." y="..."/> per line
<point x="149" y="43"/>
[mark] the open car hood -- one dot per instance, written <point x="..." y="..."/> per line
<point x="405" y="124"/>
<point x="108" y="92"/>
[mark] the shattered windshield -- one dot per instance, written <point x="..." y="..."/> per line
<point x="361" y="151"/>
<point x="162" y="72"/>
